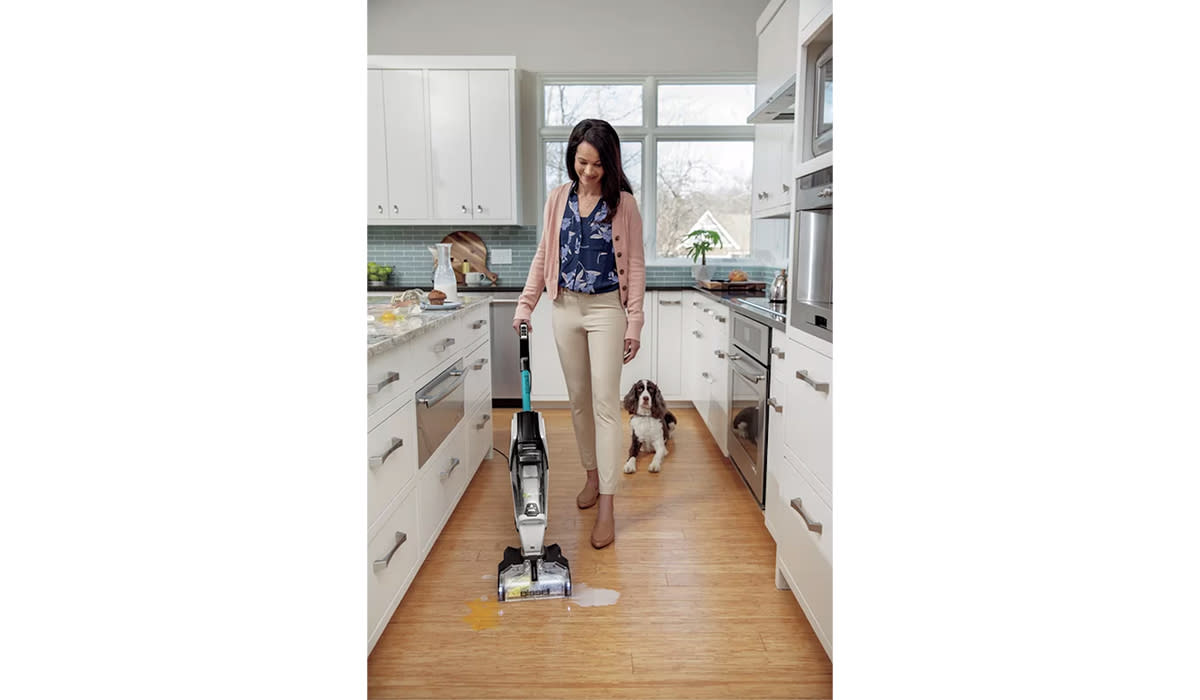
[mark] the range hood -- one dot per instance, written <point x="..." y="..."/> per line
<point x="780" y="107"/>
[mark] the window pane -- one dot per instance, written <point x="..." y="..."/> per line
<point x="619" y="105"/>
<point x="704" y="105"/>
<point x="631" y="163"/>
<point x="704" y="185"/>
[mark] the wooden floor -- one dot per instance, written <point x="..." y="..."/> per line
<point x="698" y="614"/>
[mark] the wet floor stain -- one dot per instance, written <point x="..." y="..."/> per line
<point x="485" y="614"/>
<point x="585" y="596"/>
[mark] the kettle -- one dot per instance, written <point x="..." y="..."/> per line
<point x="779" y="287"/>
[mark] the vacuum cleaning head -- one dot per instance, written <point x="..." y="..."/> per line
<point x="521" y="578"/>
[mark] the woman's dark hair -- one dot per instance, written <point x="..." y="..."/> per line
<point x="604" y="139"/>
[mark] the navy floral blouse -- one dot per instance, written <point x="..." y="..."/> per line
<point x="586" y="262"/>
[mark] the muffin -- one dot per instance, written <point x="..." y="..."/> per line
<point x="437" y="297"/>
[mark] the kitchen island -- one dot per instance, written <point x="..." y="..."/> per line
<point x="429" y="411"/>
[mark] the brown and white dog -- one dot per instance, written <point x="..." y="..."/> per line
<point x="652" y="424"/>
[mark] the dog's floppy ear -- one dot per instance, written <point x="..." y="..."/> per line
<point x="629" y="403"/>
<point x="658" y="403"/>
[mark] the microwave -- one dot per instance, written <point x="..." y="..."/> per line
<point x="822" y="103"/>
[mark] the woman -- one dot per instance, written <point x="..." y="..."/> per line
<point x="591" y="263"/>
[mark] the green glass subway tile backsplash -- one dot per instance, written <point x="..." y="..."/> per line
<point x="406" y="249"/>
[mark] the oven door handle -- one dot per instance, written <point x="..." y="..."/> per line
<point x="756" y="378"/>
<point x="431" y="399"/>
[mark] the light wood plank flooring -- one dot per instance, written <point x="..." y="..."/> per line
<point x="698" y="614"/>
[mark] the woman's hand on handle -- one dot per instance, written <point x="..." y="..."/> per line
<point x="631" y="350"/>
<point x="517" y="324"/>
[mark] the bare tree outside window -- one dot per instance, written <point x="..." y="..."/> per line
<point x="619" y="105"/>
<point x="704" y="184"/>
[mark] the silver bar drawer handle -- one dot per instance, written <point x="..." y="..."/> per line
<point x="708" y="310"/>
<point x="819" y="386"/>
<point x="785" y="187"/>
<point x="486" y="418"/>
<point x="378" y="460"/>
<point x="376" y="388"/>
<point x="720" y="318"/>
<point x="734" y="356"/>
<point x="381" y="564"/>
<point x="446" y="474"/>
<point x="441" y="347"/>
<point x="696" y="304"/>
<point x="697" y="334"/>
<point x="815" y="527"/>
<point x="480" y="364"/>
<point x="664" y="302"/>
<point x="478" y="324"/>
<point x="719" y="354"/>
<point x="775" y="405"/>
<point x="777" y="352"/>
<point x="704" y="374"/>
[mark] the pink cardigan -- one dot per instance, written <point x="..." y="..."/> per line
<point x="627" y="243"/>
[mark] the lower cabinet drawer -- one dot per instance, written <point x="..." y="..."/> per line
<point x="391" y="458"/>
<point x="388" y="375"/>
<point x="479" y="433"/>
<point x="440" y="481"/>
<point x="810" y="400"/>
<point x="478" y="364"/>
<point x="797" y="514"/>
<point x="392" y="552"/>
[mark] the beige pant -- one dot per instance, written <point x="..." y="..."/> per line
<point x="589" y="330"/>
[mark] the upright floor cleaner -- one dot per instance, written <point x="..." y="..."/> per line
<point x="533" y="570"/>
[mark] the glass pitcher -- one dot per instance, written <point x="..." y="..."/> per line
<point x="443" y="274"/>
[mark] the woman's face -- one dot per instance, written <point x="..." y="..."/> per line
<point x="587" y="165"/>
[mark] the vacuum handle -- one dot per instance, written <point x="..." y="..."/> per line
<point x="523" y="333"/>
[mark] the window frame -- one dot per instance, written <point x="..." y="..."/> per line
<point x="650" y="134"/>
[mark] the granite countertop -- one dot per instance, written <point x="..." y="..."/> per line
<point x="730" y="299"/>
<point x="488" y="289"/>
<point x="382" y="337"/>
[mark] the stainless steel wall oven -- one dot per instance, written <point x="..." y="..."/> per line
<point x="749" y="383"/>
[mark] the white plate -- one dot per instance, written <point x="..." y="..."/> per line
<point x="445" y="306"/>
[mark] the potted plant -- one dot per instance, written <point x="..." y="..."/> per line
<point x="700" y="242"/>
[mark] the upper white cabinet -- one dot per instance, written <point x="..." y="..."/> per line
<point x="772" y="177"/>
<point x="446" y="127"/>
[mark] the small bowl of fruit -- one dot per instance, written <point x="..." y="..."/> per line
<point x="377" y="275"/>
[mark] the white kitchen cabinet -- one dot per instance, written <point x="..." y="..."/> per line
<point x="643" y="366"/>
<point x="668" y="351"/>
<point x="397" y="172"/>
<point x="801" y="519"/>
<point x="809" y="393"/>
<point x="706" y="350"/>
<point x="378" y="205"/>
<point x="815" y="36"/>
<point x="718" y="417"/>
<point x="450" y="136"/>
<point x="409" y="504"/>
<point x="772" y="175"/>
<point x="777" y="34"/>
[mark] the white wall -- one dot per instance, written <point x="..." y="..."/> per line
<point x="573" y="36"/>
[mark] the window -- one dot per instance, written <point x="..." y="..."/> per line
<point x="685" y="147"/>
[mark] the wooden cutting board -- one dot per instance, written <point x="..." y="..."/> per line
<point x="468" y="246"/>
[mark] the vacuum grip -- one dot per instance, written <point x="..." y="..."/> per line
<point x="523" y="333"/>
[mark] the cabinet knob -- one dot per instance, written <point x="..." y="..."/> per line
<point x="777" y="352"/>
<point x="464" y="209"/>
<point x="775" y="405"/>
<point x="479" y="208"/>
<point x="380" y="208"/>
<point x="396" y="208"/>
<point x="719" y="354"/>
<point x="786" y="188"/>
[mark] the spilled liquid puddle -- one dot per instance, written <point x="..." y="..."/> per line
<point x="585" y="596"/>
<point x="485" y="614"/>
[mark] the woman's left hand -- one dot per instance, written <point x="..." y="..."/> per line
<point x="631" y="350"/>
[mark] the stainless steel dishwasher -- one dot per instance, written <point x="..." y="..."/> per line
<point x="506" y="375"/>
